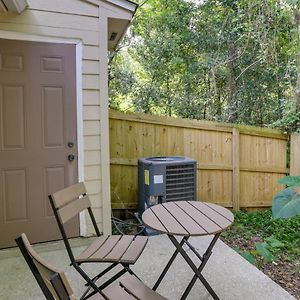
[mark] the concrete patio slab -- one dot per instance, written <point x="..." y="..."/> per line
<point x="231" y="276"/>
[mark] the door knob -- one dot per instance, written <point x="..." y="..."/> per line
<point x="71" y="157"/>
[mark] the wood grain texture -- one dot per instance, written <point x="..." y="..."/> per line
<point x="139" y="289"/>
<point x="152" y="221"/>
<point x="89" y="251"/>
<point x="186" y="221"/>
<point x="106" y="248"/>
<point x="172" y="225"/>
<point x="114" y="248"/>
<point x="207" y="225"/>
<point x="73" y="208"/>
<point x="188" y="218"/>
<point x="122" y="246"/>
<point x="116" y="292"/>
<point x="67" y="194"/>
<point x="134" y="250"/>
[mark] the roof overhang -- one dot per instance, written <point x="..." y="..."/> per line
<point x="16" y="6"/>
<point x="120" y="13"/>
<point x="116" y="31"/>
<point x="126" y="4"/>
<point x="119" y="20"/>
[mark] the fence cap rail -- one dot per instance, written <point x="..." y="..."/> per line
<point x="197" y="124"/>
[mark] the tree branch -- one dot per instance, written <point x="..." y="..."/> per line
<point x="248" y="67"/>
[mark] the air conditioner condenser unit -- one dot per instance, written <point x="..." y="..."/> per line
<point x="164" y="179"/>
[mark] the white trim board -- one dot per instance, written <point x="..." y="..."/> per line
<point x="124" y="4"/>
<point x="128" y="5"/>
<point x="13" y="35"/>
<point x="104" y="122"/>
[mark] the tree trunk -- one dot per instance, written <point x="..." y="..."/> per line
<point x="169" y="100"/>
<point x="232" y="103"/>
<point x="297" y="88"/>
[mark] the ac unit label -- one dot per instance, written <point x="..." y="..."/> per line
<point x="146" y="177"/>
<point x="158" y="179"/>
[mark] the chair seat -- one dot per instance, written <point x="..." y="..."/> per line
<point x="130" y="288"/>
<point x="114" y="248"/>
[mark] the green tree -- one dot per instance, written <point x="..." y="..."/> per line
<point x="226" y="60"/>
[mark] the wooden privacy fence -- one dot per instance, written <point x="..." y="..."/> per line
<point x="238" y="166"/>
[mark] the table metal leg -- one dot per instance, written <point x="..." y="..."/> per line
<point x="196" y="270"/>
<point x="162" y="275"/>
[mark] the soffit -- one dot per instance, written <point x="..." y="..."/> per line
<point x="16" y="6"/>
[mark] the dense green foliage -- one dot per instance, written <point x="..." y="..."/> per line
<point x="286" y="203"/>
<point x="280" y="236"/>
<point x="223" y="60"/>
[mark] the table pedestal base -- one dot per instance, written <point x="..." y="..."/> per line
<point x="197" y="271"/>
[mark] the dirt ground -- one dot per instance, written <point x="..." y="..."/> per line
<point x="284" y="272"/>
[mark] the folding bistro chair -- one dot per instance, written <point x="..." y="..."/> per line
<point x="55" y="285"/>
<point x="114" y="249"/>
<point x="52" y="281"/>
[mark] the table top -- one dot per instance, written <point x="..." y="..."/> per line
<point x="187" y="218"/>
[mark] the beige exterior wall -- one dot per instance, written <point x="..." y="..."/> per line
<point x="77" y="20"/>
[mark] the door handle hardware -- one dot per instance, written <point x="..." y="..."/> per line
<point x="70" y="144"/>
<point x="71" y="157"/>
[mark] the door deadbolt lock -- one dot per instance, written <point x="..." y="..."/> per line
<point x="71" y="157"/>
<point x="70" y="144"/>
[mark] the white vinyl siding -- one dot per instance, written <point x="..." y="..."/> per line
<point x="65" y="6"/>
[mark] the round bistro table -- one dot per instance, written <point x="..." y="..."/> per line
<point x="186" y="219"/>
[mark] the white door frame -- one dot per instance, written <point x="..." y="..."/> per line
<point x="79" y="106"/>
<point x="10" y="35"/>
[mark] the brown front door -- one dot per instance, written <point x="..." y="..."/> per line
<point x="37" y="133"/>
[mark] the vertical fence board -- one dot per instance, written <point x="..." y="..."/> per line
<point x="236" y="169"/>
<point x="295" y="155"/>
<point x="215" y="186"/>
<point x="258" y="188"/>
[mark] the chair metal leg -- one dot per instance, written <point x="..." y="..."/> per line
<point x="92" y="285"/>
<point x="112" y="279"/>
<point x="162" y="275"/>
<point x="127" y="268"/>
<point x="196" y="270"/>
<point x="103" y="272"/>
<point x="87" y="279"/>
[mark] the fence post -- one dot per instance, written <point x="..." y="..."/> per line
<point x="235" y="169"/>
<point x="295" y="155"/>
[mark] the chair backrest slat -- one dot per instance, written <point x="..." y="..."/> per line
<point x="68" y="194"/>
<point x="73" y="208"/>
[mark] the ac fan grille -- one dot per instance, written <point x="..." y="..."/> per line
<point x="180" y="182"/>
